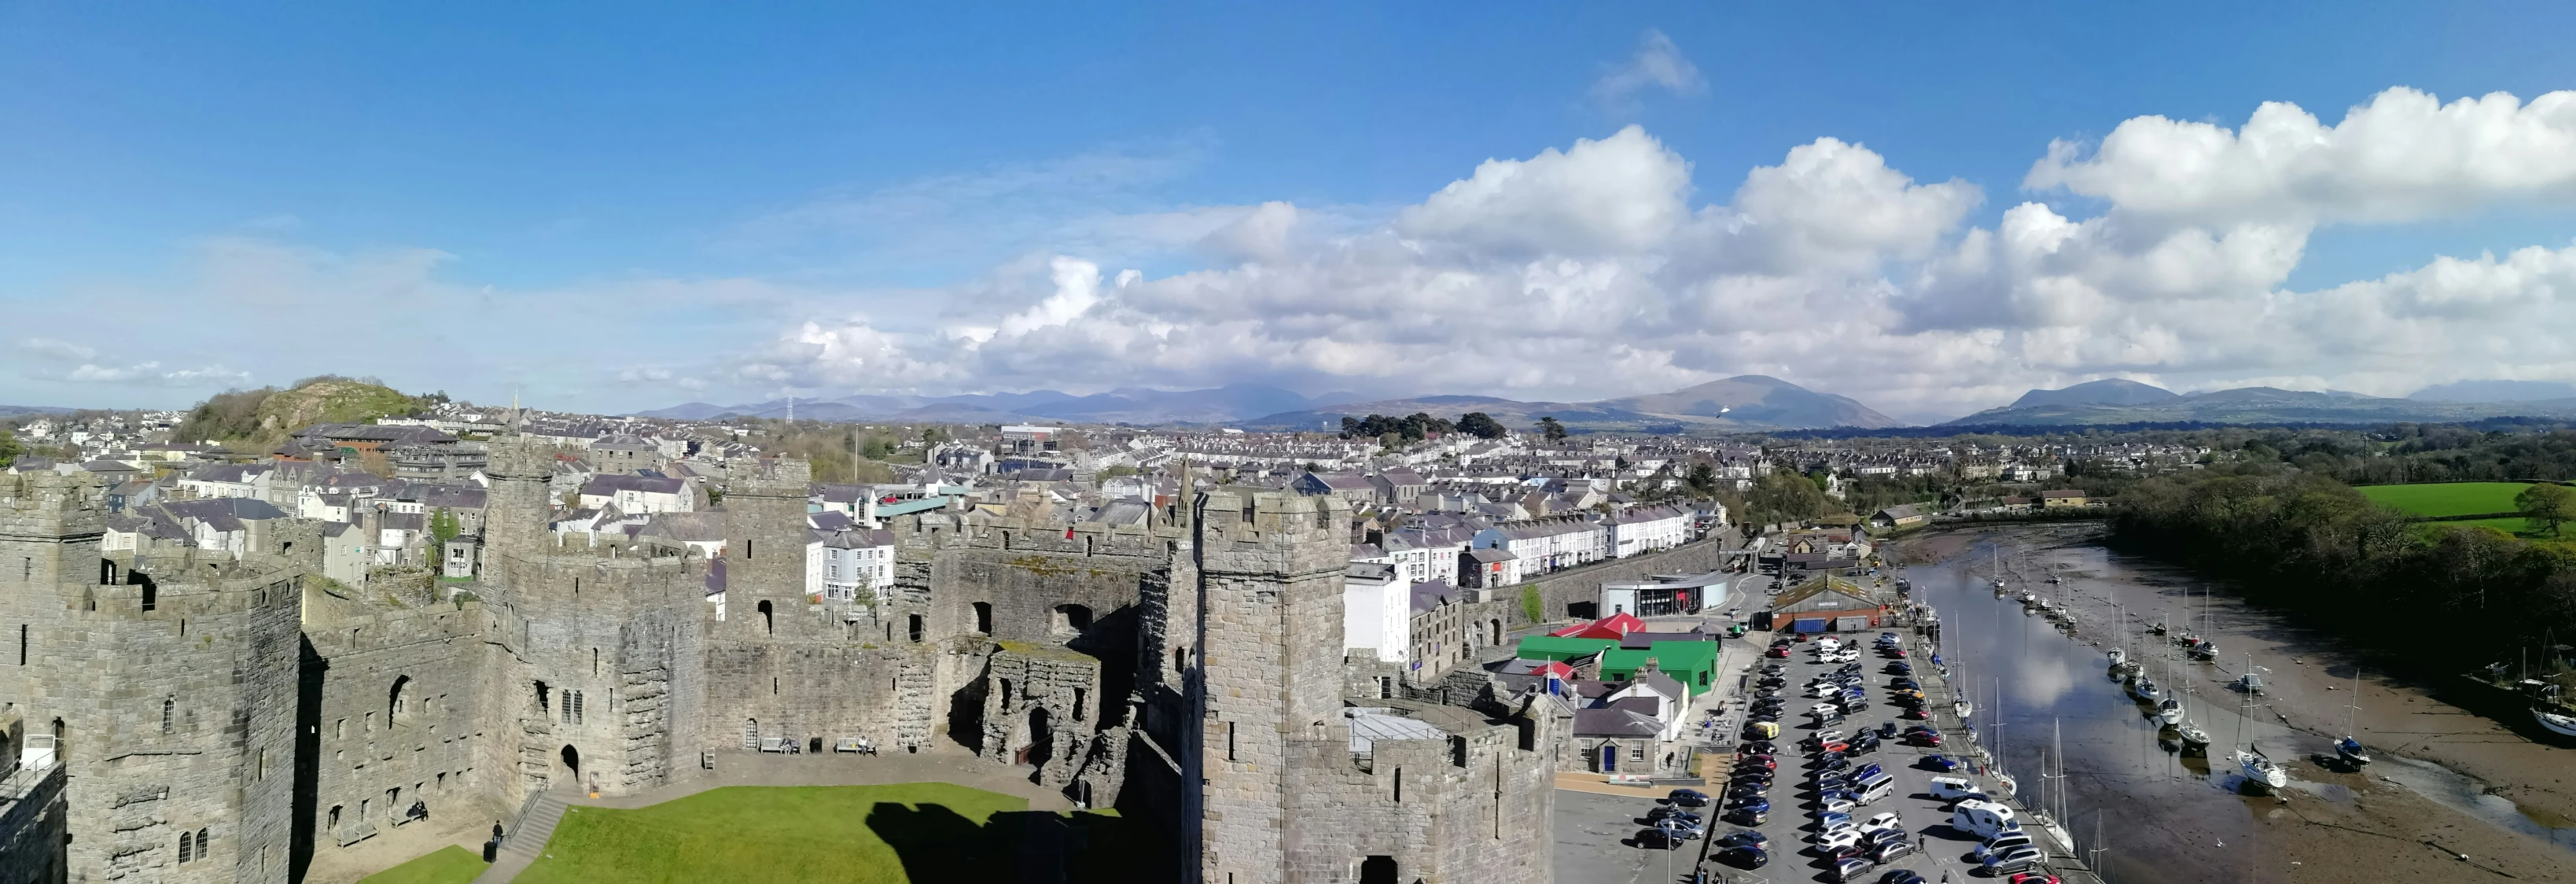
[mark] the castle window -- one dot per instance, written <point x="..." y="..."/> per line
<point x="371" y="722"/>
<point x="394" y="699"/>
<point x="106" y="572"/>
<point x="767" y="621"/>
<point x="1399" y="784"/>
<point x="984" y="617"/>
<point x="185" y="841"/>
<point x="334" y="823"/>
<point x="22" y="644"/>
<point x="168" y="707"/>
<point x="201" y="844"/>
<point x="1229" y="741"/>
<point x="915" y="622"/>
<point x="1077" y="704"/>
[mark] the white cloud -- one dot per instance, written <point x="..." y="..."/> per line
<point x="1587" y="273"/>
<point x="1657" y="64"/>
<point x="150" y="374"/>
<point x="1623" y="193"/>
<point x="63" y="350"/>
<point x="2404" y="155"/>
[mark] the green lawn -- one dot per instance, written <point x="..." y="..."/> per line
<point x="447" y="865"/>
<point x="2516" y="526"/>
<point x="909" y="832"/>
<point x="2448" y="498"/>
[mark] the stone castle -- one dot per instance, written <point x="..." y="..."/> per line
<point x="229" y="718"/>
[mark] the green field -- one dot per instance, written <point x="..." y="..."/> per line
<point x="2448" y="498"/>
<point x="447" y="865"/>
<point x="2515" y="525"/>
<point x="909" y="832"/>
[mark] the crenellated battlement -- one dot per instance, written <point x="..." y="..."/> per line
<point x="783" y="477"/>
<point x="51" y="504"/>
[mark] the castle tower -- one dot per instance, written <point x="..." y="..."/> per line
<point x="1270" y="630"/>
<point x="167" y="687"/>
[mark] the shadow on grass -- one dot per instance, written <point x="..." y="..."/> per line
<point x="1033" y="847"/>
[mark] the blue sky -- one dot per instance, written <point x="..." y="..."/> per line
<point x="615" y="206"/>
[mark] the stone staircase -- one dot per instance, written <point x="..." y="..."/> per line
<point x="526" y="841"/>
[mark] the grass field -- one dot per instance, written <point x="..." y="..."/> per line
<point x="447" y="865"/>
<point x="2516" y="526"/>
<point x="910" y="832"/>
<point x="2448" y="498"/>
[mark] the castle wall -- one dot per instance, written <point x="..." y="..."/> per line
<point x="398" y="716"/>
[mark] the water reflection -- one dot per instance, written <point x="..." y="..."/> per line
<point x="2161" y="812"/>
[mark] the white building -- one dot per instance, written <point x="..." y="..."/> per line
<point x="637" y="494"/>
<point x="846" y="564"/>
<point x="1543" y="545"/>
<point x="1377" y="611"/>
<point x="1646" y="529"/>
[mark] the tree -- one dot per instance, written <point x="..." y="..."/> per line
<point x="1784" y="496"/>
<point x="1480" y="425"/>
<point x="934" y="436"/>
<point x="1532" y="606"/>
<point x="443" y="527"/>
<point x="1554" y="431"/>
<point x="2550" y="505"/>
<point x="1703" y="477"/>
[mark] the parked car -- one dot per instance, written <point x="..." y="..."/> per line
<point x="1743" y="838"/>
<point x="1694" y="797"/>
<point x="1834" y="805"/>
<point x="1669" y="812"/>
<point x="1898" y="667"/>
<point x="1756" y="747"/>
<point x="1755" y="803"/>
<point x="2017" y="859"/>
<point x="1880" y="823"/>
<point x="1680" y="829"/>
<point x="1904" y="683"/>
<point x="2034" y="878"/>
<point x="1940" y="762"/>
<point x="1745" y="816"/>
<point x="1828" y="842"/>
<point x="1744" y="857"/>
<point x="1760" y="760"/>
<point x="2001" y="843"/>
<point x="1901" y="876"/>
<point x="1852" y="869"/>
<point x="1891" y="850"/>
<point x="1923" y="738"/>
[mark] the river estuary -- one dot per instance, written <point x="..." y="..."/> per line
<point x="2156" y="814"/>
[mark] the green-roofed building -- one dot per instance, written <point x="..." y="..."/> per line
<point x="1693" y="663"/>
<point x="1549" y="647"/>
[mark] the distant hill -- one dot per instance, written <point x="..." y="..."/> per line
<point x="15" y="410"/>
<point x="2262" y="405"/>
<point x="1744" y="403"/>
<point x="2107" y="391"/>
<point x="266" y="415"/>
<point x="1748" y="402"/>
<point x="1133" y="405"/>
<point x="2495" y="391"/>
<point x="1756" y="402"/>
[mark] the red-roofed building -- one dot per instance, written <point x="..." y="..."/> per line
<point x="1615" y="626"/>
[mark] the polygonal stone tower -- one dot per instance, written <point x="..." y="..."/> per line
<point x="1270" y="611"/>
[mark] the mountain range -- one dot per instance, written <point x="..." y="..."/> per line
<point x="2114" y="401"/>
<point x="1748" y="402"/>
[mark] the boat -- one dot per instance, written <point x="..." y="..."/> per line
<point x="1999" y="570"/>
<point x="2562" y="725"/>
<point x="2145" y="689"/>
<point x="2261" y="770"/>
<point x="2005" y="785"/>
<point x="2119" y="656"/>
<point x="2158" y="629"/>
<point x="2250" y="683"/>
<point x="2028" y="597"/>
<point x="2349" y="748"/>
<point x="2169" y="710"/>
<point x="2194" y="740"/>
<point x="1962" y="708"/>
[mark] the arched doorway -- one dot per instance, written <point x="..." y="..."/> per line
<point x="572" y="764"/>
<point x="1498" y="632"/>
<point x="1378" y="870"/>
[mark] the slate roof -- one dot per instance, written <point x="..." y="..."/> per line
<point x="1619" y="723"/>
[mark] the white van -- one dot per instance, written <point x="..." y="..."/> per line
<point x="1954" y="789"/>
<point x="1983" y="819"/>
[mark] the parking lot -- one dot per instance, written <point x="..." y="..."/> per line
<point x="1602" y="838"/>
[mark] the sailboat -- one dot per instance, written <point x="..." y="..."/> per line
<point x="2119" y="656"/>
<point x="2349" y="748"/>
<point x="2260" y="769"/>
<point x="2169" y="710"/>
<point x="1999" y="569"/>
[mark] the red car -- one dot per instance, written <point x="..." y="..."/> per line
<point x="1920" y="738"/>
<point x="1782" y="653"/>
<point x="1761" y="761"/>
<point x="2034" y="878"/>
<point x="1836" y="746"/>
